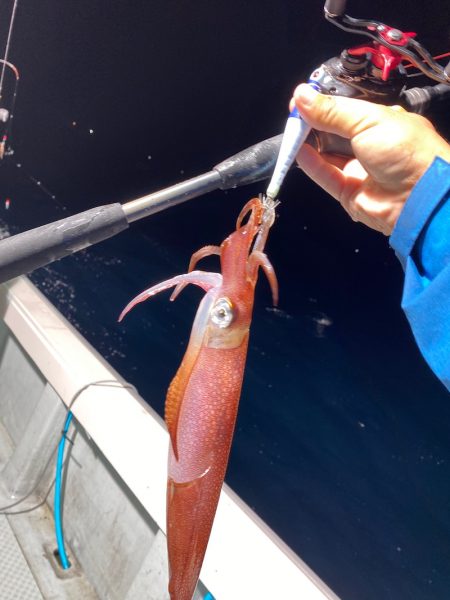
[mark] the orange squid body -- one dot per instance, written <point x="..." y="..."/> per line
<point x="206" y="425"/>
<point x="202" y="400"/>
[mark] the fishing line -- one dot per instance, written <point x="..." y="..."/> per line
<point x="57" y="506"/>
<point x="4" y="510"/>
<point x="8" y="43"/>
<point x="5" y="139"/>
<point x="38" y="183"/>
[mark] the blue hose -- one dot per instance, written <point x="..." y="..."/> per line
<point x="208" y="596"/>
<point x="57" y="504"/>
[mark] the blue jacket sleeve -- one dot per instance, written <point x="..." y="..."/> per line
<point x="421" y="240"/>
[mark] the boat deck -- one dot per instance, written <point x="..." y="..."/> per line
<point x="28" y="567"/>
<point x="15" y="574"/>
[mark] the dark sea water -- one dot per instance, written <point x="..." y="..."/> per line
<point x="343" y="436"/>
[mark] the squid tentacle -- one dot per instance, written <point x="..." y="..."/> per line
<point x="203" y="279"/>
<point x="259" y="259"/>
<point x="254" y="207"/>
<point x="202" y="253"/>
<point x="205" y="251"/>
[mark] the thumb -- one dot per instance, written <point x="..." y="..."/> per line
<point x="346" y="117"/>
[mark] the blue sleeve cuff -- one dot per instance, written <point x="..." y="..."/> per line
<point x="421" y="240"/>
<point x="427" y="194"/>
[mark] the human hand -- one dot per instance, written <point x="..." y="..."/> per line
<point x="392" y="148"/>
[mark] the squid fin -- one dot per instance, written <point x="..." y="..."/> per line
<point x="173" y="406"/>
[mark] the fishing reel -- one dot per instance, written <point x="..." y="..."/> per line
<point x="389" y="46"/>
<point x="376" y="71"/>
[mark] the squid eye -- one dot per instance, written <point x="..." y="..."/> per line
<point x="222" y="313"/>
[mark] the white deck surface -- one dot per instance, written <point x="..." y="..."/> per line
<point x="17" y="581"/>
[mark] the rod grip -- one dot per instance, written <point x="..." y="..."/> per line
<point x="258" y="161"/>
<point x="250" y="165"/>
<point x="24" y="252"/>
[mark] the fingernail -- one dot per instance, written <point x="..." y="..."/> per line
<point x="306" y="94"/>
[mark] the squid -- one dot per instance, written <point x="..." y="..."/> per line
<point x="202" y="399"/>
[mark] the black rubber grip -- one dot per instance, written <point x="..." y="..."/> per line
<point x="258" y="161"/>
<point x="24" y="252"/>
<point x="250" y="165"/>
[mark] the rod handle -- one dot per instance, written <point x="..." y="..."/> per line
<point x="24" y="252"/>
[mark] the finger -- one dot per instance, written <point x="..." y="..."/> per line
<point x="355" y="170"/>
<point x="335" y="159"/>
<point x="346" y="117"/>
<point x="342" y="185"/>
<point x="327" y="175"/>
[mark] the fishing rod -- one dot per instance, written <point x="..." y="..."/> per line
<point x="7" y="113"/>
<point x="374" y="72"/>
<point x="6" y="116"/>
